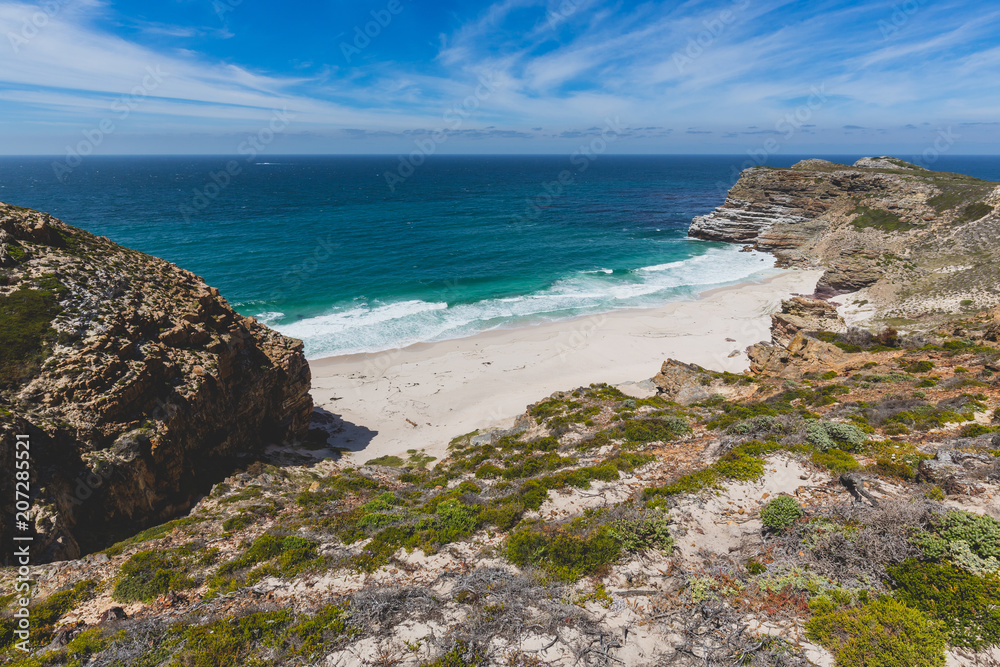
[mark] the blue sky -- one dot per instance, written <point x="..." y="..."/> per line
<point x="516" y="76"/>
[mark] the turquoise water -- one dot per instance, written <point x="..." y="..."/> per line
<point x="321" y="248"/>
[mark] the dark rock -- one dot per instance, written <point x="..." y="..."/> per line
<point x="113" y="614"/>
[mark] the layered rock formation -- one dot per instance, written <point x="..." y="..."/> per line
<point x="918" y="240"/>
<point x="136" y="382"/>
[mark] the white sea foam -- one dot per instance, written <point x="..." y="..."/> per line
<point x="374" y="326"/>
<point x="269" y="317"/>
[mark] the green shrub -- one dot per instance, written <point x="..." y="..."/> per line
<point x="648" y="529"/>
<point x="780" y="513"/>
<point x="455" y="519"/>
<point x="387" y="460"/>
<point x="739" y="466"/>
<point x="237" y="522"/>
<point x="975" y="430"/>
<point x="25" y="332"/>
<point x="835" y="435"/>
<point x="880" y="219"/>
<point x="972" y="212"/>
<point x="692" y="482"/>
<point x="980" y="533"/>
<point x="560" y="553"/>
<point x="968" y="605"/>
<point x="320" y="629"/>
<point x="231" y="642"/>
<point x="534" y="465"/>
<point x="488" y="471"/>
<point x="460" y="656"/>
<point x="884" y="633"/>
<point x="935" y="493"/>
<point x="263" y="549"/>
<point x="837" y="460"/>
<point x="150" y="573"/>
<point x="662" y="429"/>
<point x="922" y="366"/>
<point x="891" y="468"/>
<point x="760" y="424"/>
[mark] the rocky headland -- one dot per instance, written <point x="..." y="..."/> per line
<point x="908" y="241"/>
<point x="834" y="505"/>
<point x="137" y="383"/>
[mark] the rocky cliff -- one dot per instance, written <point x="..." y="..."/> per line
<point x="916" y="241"/>
<point x="137" y="383"/>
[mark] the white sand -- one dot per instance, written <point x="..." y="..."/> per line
<point x="422" y="396"/>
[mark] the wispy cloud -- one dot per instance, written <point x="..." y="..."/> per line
<point x="728" y="70"/>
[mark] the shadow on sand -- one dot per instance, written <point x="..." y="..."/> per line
<point x="334" y="432"/>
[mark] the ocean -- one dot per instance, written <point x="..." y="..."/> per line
<point x="335" y="251"/>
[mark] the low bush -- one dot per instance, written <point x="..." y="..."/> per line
<point x="892" y="468"/>
<point x="883" y="633"/>
<point x="150" y="573"/>
<point x="836" y="460"/>
<point x="826" y="435"/>
<point x="780" y="513"/>
<point x="922" y="366"/>
<point x="644" y="529"/>
<point x="454" y="520"/>
<point x="46" y="613"/>
<point x="559" y="552"/>
<point x="968" y="540"/>
<point x="662" y="429"/>
<point x="738" y="465"/>
<point x="488" y="471"/>
<point x="975" y="430"/>
<point x="237" y="522"/>
<point x="968" y="605"/>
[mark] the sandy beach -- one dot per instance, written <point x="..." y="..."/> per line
<point x="422" y="396"/>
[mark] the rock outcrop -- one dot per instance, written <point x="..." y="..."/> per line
<point x="792" y="351"/>
<point x="689" y="383"/>
<point x="137" y="384"/>
<point x="918" y="240"/>
<point x="802" y="314"/>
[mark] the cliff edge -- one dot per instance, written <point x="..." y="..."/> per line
<point x="137" y="384"/>
<point x="917" y="241"/>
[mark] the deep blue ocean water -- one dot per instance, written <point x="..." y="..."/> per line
<point x="322" y="248"/>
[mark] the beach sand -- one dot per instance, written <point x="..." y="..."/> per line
<point x="422" y="396"/>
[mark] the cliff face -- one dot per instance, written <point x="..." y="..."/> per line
<point x="919" y="240"/>
<point x="136" y="382"/>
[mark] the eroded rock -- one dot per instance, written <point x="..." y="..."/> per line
<point x="146" y="389"/>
